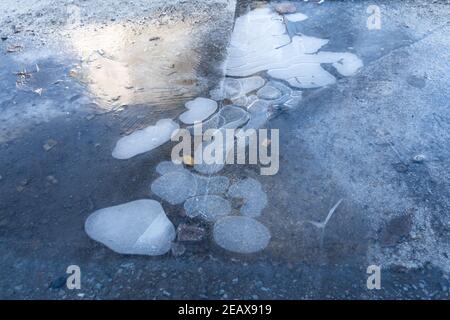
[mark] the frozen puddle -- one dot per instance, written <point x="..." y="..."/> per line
<point x="260" y="42"/>
<point x="241" y="234"/>
<point x="144" y="140"/>
<point x="198" y="110"/>
<point x="255" y="199"/>
<point x="264" y="73"/>
<point x="137" y="227"/>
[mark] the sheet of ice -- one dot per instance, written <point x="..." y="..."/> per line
<point x="211" y="185"/>
<point x="268" y="92"/>
<point x="296" y="17"/>
<point x="234" y="89"/>
<point x="241" y="234"/>
<point x="305" y="75"/>
<point x="244" y="101"/>
<point x="168" y="166"/>
<point x="294" y="100"/>
<point x="260" y="43"/>
<point x="198" y="110"/>
<point x="208" y="207"/>
<point x="286" y="92"/>
<point x="203" y="184"/>
<point x="347" y="65"/>
<point x="137" y="227"/>
<point x="250" y="84"/>
<point x="175" y="187"/>
<point x="144" y="140"/>
<point x="228" y="117"/>
<point x="255" y="199"/>
<point x="259" y="114"/>
<point x="213" y="154"/>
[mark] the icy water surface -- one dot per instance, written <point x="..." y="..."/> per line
<point x="265" y="69"/>
<point x="129" y="64"/>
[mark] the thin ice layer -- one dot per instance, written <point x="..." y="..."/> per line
<point x="137" y="227"/>
<point x="260" y="43"/>
<point x="175" y="187"/>
<point x="168" y="166"/>
<point x="211" y="185"/>
<point x="269" y="92"/>
<point x="144" y="140"/>
<point x="241" y="234"/>
<point x="255" y="199"/>
<point x="296" y="17"/>
<point x="234" y="89"/>
<point x="198" y="110"/>
<point x="228" y="117"/>
<point x="208" y="207"/>
<point x="193" y="184"/>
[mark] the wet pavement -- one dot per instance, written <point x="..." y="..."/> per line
<point x="377" y="139"/>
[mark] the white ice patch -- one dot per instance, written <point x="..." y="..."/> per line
<point x="268" y="92"/>
<point x="241" y="234"/>
<point x="208" y="207"/>
<point x="178" y="184"/>
<point x="144" y="140"/>
<point x="198" y="110"/>
<point x="137" y="227"/>
<point x="175" y="187"/>
<point x="234" y="89"/>
<point x="296" y="17"/>
<point x="211" y="185"/>
<point x="260" y="42"/>
<point x="228" y="117"/>
<point x="255" y="199"/>
<point x="259" y="114"/>
<point x="168" y="166"/>
<point x="244" y="101"/>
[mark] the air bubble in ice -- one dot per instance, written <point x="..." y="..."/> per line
<point x="228" y="117"/>
<point x="255" y="199"/>
<point x="144" y="140"/>
<point x="268" y="92"/>
<point x="137" y="227"/>
<point x="241" y="234"/>
<point x="244" y="101"/>
<point x="168" y="166"/>
<point x="296" y="17"/>
<point x="234" y="89"/>
<point x="259" y="114"/>
<point x="198" y="110"/>
<point x="199" y="185"/>
<point x="175" y="187"/>
<point x="208" y="207"/>
<point x="211" y="185"/>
